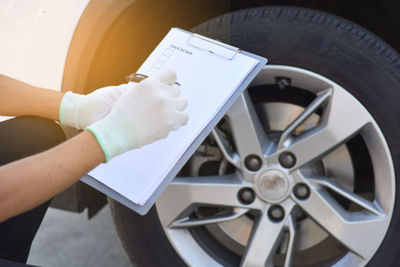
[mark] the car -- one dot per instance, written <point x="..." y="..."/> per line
<point x="303" y="168"/>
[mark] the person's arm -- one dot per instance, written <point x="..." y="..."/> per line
<point x="74" y="110"/>
<point x="18" y="99"/>
<point x="143" y="114"/>
<point x="28" y="182"/>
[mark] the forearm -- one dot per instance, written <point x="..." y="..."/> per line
<point x="18" y="99"/>
<point x="29" y="182"/>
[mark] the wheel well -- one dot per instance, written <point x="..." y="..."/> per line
<point x="114" y="37"/>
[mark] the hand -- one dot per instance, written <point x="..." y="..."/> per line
<point x="143" y="114"/>
<point x="80" y="111"/>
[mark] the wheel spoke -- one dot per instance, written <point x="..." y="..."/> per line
<point x="292" y="235"/>
<point x="223" y="144"/>
<point x="189" y="222"/>
<point x="365" y="204"/>
<point x="247" y="131"/>
<point x="342" y="119"/>
<point x="358" y="231"/>
<point x="184" y="194"/>
<point x="318" y="101"/>
<point x="265" y="238"/>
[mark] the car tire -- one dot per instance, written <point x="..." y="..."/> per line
<point x="322" y="43"/>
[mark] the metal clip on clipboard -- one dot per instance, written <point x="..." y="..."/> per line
<point x="213" y="46"/>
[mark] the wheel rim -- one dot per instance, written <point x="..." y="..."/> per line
<point x="299" y="195"/>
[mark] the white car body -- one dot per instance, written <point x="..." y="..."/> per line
<point x="35" y="37"/>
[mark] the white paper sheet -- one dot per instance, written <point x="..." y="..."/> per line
<point x="207" y="81"/>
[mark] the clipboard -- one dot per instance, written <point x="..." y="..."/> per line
<point x="218" y="49"/>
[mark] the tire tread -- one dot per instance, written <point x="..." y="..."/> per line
<point x="359" y="36"/>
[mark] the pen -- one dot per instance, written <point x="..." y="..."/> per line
<point x="137" y="77"/>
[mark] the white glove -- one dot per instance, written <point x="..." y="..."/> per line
<point x="143" y="114"/>
<point x="80" y="111"/>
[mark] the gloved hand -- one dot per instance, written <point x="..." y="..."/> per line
<point x="80" y="111"/>
<point x="143" y="114"/>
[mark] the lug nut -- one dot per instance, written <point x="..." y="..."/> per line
<point x="246" y="195"/>
<point x="276" y="213"/>
<point x="282" y="82"/>
<point x="287" y="159"/>
<point x="301" y="191"/>
<point x="253" y="162"/>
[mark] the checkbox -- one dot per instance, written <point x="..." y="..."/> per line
<point x="168" y="52"/>
<point x="163" y="58"/>
<point x="158" y="64"/>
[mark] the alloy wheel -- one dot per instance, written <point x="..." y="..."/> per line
<point x="285" y="188"/>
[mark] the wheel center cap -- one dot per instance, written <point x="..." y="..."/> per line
<point x="272" y="185"/>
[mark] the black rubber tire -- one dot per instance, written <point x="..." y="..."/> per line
<point x="323" y="43"/>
